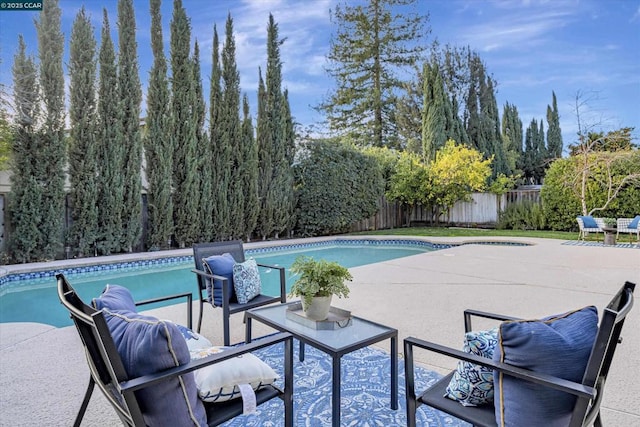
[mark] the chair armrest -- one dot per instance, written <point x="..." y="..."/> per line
<point x="283" y="281"/>
<point x="546" y="380"/>
<point x="151" y="379"/>
<point x="222" y="279"/>
<point x="469" y="312"/>
<point x="187" y="295"/>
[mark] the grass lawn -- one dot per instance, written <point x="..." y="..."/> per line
<point x="474" y="232"/>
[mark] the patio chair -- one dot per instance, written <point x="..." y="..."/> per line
<point x="218" y="289"/>
<point x="166" y="396"/>
<point x="589" y="224"/>
<point x="579" y="401"/>
<point x="630" y="226"/>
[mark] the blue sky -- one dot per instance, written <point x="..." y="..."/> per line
<point x="532" y="47"/>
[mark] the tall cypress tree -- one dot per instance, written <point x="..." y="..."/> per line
<point x="202" y="163"/>
<point x="472" y="113"/>
<point x="110" y="179"/>
<point x="231" y="131"/>
<point x="265" y="224"/>
<point x="215" y="191"/>
<point x="158" y="144"/>
<point x="491" y="129"/>
<point x="249" y="174"/>
<point x="285" y="202"/>
<point x="185" y="160"/>
<point x="528" y="164"/>
<point x="26" y="193"/>
<point x="52" y="155"/>
<point x="82" y="143"/>
<point x="554" y="133"/>
<point x="512" y="138"/>
<point x="541" y="155"/>
<point x="129" y="139"/>
<point x="434" y="132"/>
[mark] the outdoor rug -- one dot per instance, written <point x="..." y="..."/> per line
<point x="365" y="399"/>
<point x="601" y="244"/>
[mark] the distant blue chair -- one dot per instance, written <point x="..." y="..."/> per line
<point x="589" y="224"/>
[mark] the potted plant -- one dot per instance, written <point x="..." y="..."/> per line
<point x="317" y="282"/>
<point x="610" y="222"/>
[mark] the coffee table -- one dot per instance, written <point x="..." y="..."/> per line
<point x="336" y="343"/>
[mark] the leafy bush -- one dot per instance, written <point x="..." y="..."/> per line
<point x="336" y="185"/>
<point x="525" y="215"/>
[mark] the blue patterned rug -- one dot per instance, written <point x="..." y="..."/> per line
<point x="601" y="244"/>
<point x="365" y="399"/>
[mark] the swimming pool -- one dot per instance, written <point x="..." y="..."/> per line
<point x="33" y="297"/>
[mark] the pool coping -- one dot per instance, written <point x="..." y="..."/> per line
<point x="28" y="271"/>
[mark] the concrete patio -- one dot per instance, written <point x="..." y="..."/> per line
<point x="43" y="373"/>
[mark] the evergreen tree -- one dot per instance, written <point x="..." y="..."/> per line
<point x="285" y="201"/>
<point x="265" y="224"/>
<point x="82" y="143"/>
<point x="110" y="179"/>
<point x="157" y="142"/>
<point x="129" y="138"/>
<point x="490" y="125"/>
<point x="512" y="138"/>
<point x="51" y="158"/>
<point x="540" y="155"/>
<point x="25" y="199"/>
<point x="528" y="164"/>
<point x="371" y="47"/>
<point x="434" y="120"/>
<point x="185" y="160"/>
<point x="231" y="132"/>
<point x="472" y="114"/>
<point x="249" y="175"/>
<point x="199" y="114"/>
<point x="554" y="133"/>
<point x="217" y="211"/>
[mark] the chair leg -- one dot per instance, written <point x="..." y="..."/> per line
<point x="227" y="337"/>
<point x="200" y="316"/>
<point x="85" y="402"/>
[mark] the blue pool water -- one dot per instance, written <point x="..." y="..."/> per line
<point x="36" y="300"/>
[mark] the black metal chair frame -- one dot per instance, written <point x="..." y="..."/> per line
<point x="589" y="392"/>
<point x="235" y="248"/>
<point x="108" y="372"/>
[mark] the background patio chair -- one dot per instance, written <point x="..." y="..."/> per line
<point x="226" y="301"/>
<point x="588" y="392"/>
<point x="131" y="396"/>
<point x="622" y="225"/>
<point x="589" y="228"/>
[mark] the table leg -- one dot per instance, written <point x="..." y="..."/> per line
<point x="335" y="393"/>
<point x="394" y="373"/>
<point x="301" y="352"/>
<point x="247" y="331"/>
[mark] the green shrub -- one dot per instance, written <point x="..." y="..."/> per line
<point x="525" y="215"/>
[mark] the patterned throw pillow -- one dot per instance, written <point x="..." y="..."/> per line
<point x="220" y="382"/>
<point x="471" y="384"/>
<point x="246" y="280"/>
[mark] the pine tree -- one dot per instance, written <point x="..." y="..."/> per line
<point x="158" y="143"/>
<point x="82" y="143"/>
<point x="231" y="132"/>
<point x="373" y="43"/>
<point x="249" y="167"/>
<point x="215" y="191"/>
<point x="51" y="158"/>
<point x="110" y="180"/>
<point x="185" y="160"/>
<point x="554" y="133"/>
<point x="130" y="96"/>
<point x="25" y="199"/>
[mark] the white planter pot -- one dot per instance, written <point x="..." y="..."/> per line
<point x="319" y="308"/>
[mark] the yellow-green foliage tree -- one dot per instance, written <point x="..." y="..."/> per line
<point x="456" y="172"/>
<point x="410" y="183"/>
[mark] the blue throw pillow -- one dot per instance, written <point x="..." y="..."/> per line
<point x="634" y="223"/>
<point x="471" y="384"/>
<point x="220" y="265"/>
<point x="115" y="298"/>
<point x="558" y="346"/>
<point x="147" y="346"/>
<point x="246" y="281"/>
<point x="589" y="222"/>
